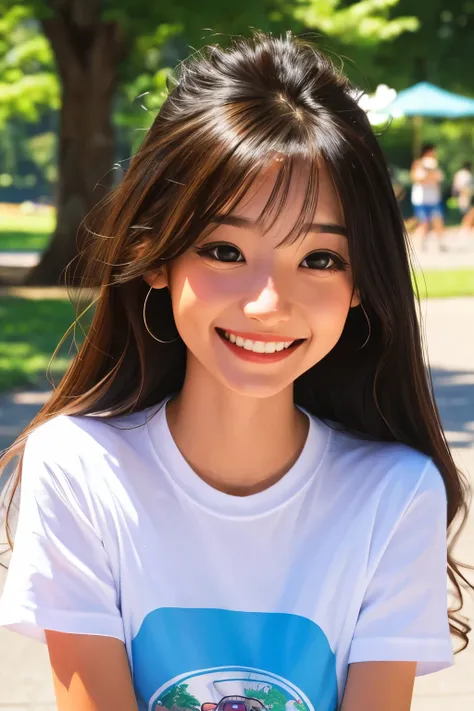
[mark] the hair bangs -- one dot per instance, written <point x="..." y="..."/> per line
<point x="279" y="196"/>
<point x="228" y="200"/>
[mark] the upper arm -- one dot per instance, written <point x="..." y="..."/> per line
<point x="372" y="686"/>
<point x="90" y="673"/>
<point x="415" y="171"/>
<point x="61" y="574"/>
<point x="404" y="613"/>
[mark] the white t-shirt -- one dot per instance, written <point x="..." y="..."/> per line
<point x="269" y="596"/>
<point x="428" y="194"/>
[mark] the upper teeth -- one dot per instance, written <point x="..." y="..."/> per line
<point x="257" y="346"/>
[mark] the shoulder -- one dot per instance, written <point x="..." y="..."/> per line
<point x="385" y="491"/>
<point x="85" y="443"/>
<point x="84" y="462"/>
<point x="64" y="434"/>
<point x="390" y="475"/>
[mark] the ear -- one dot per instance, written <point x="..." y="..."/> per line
<point x="157" y="279"/>
<point x="355" y="301"/>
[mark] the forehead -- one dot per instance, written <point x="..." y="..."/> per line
<point x="328" y="207"/>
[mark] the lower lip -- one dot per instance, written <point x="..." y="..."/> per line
<point x="259" y="357"/>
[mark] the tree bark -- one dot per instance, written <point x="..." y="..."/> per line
<point x="88" y="52"/>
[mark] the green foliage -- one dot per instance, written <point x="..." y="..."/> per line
<point x="179" y="696"/>
<point x="30" y="330"/>
<point x="28" y="82"/>
<point x="440" y="52"/>
<point x="42" y="149"/>
<point x="27" y="158"/>
<point x="143" y="86"/>
<point x="272" y="699"/>
<point x="366" y="22"/>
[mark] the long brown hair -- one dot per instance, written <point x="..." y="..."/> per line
<point x="228" y="112"/>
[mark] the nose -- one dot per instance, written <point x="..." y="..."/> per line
<point x="268" y="305"/>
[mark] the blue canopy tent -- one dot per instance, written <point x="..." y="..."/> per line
<point x="425" y="99"/>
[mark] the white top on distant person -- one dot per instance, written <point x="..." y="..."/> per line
<point x="463" y="186"/>
<point x="463" y="189"/>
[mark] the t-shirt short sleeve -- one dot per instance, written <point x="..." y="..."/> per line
<point x="59" y="576"/>
<point x="404" y="612"/>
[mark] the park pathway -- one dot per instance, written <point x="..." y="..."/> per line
<point x="25" y="679"/>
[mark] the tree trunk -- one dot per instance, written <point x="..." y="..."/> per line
<point x="87" y="52"/>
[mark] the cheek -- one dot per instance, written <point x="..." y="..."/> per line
<point x="211" y="287"/>
<point x="196" y="292"/>
<point x="330" y="305"/>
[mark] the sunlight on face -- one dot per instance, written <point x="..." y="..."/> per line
<point x="239" y="292"/>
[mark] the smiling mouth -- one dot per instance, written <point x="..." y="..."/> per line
<point x="256" y="346"/>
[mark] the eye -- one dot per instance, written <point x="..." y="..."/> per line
<point x="324" y="261"/>
<point x="221" y="253"/>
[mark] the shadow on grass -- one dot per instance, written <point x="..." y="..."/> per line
<point x="30" y="330"/>
<point x="20" y="241"/>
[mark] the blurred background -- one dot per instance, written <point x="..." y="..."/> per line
<point x="80" y="83"/>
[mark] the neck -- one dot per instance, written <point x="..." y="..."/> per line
<point x="238" y="444"/>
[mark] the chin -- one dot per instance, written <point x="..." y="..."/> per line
<point x="254" y="386"/>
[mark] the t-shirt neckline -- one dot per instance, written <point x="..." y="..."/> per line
<point x="289" y="486"/>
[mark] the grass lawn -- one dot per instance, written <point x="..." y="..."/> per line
<point x="30" y="330"/>
<point x="22" y="233"/>
<point x="445" y="284"/>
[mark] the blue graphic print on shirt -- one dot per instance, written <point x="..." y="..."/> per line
<point x="185" y="657"/>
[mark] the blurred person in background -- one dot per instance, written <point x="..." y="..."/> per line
<point x="426" y="178"/>
<point x="463" y="188"/>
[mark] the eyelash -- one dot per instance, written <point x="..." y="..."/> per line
<point x="339" y="263"/>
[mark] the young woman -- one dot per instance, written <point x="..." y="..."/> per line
<point x="238" y="495"/>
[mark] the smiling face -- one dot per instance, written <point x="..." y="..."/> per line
<point x="256" y="313"/>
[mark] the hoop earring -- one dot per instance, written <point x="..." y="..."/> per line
<point x="146" y="324"/>
<point x="370" y="328"/>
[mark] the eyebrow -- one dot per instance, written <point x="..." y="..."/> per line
<point x="318" y="227"/>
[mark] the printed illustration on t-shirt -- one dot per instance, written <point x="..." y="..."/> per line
<point x="231" y="690"/>
<point x="187" y="659"/>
